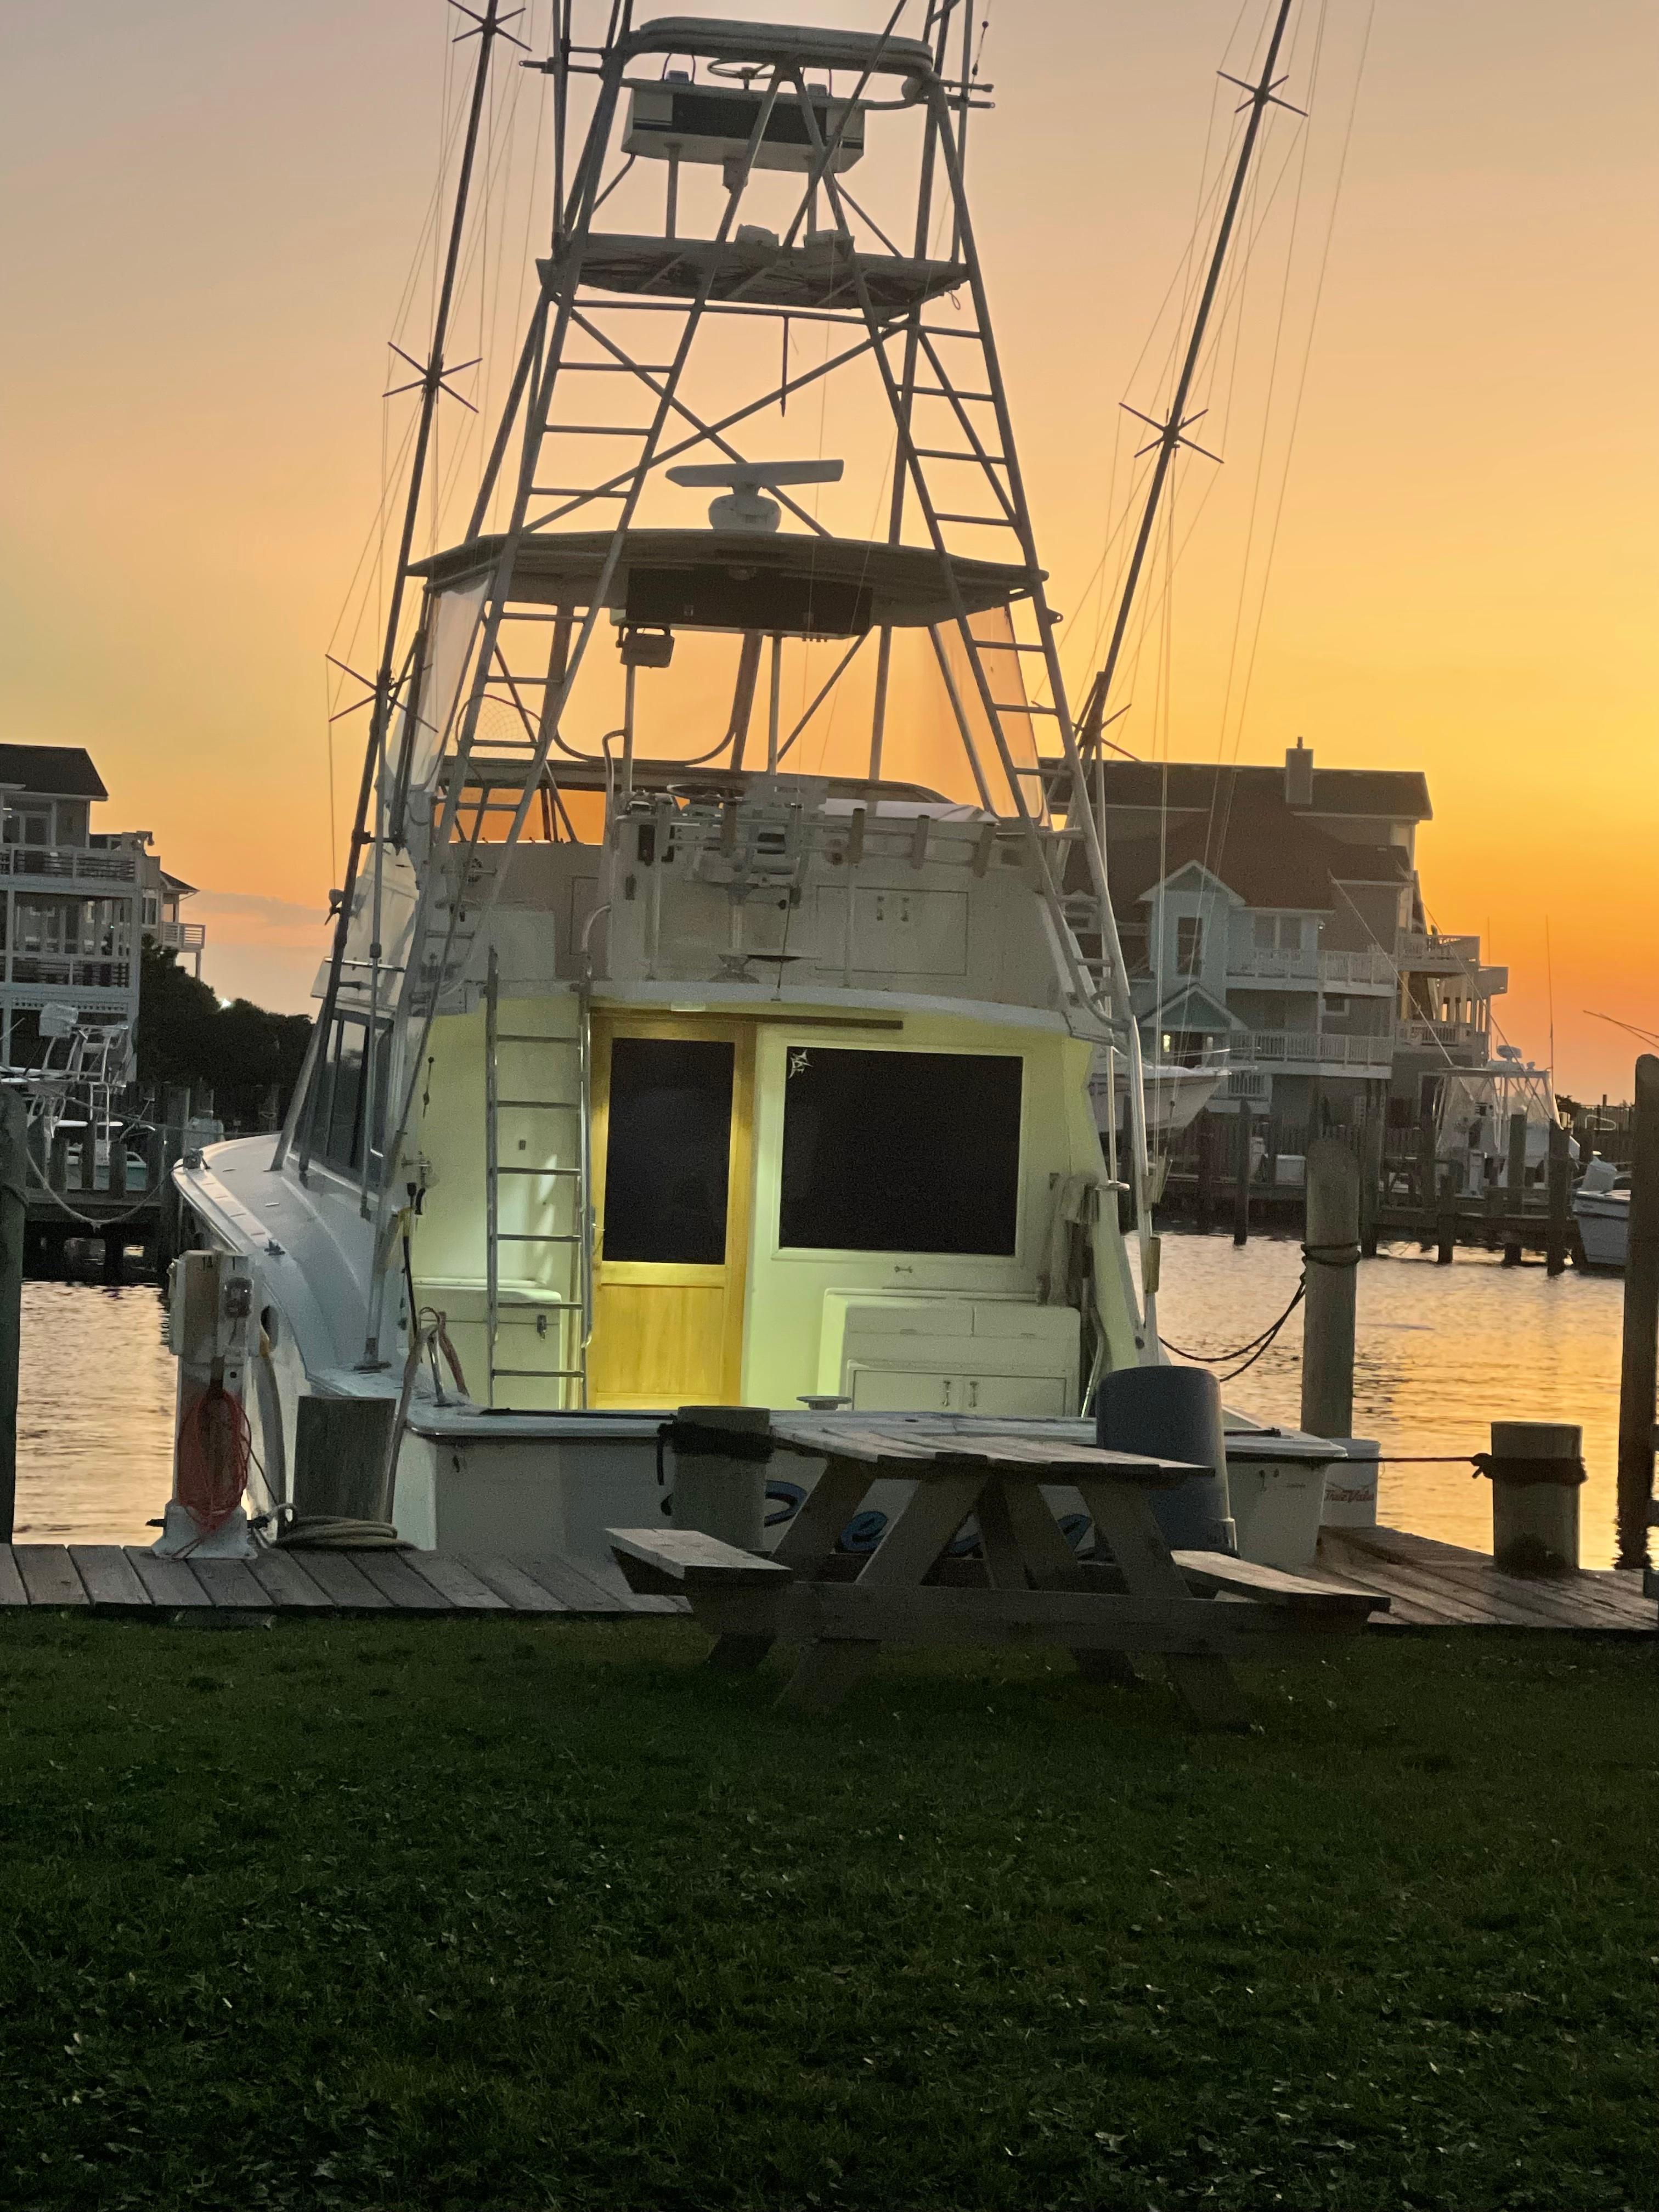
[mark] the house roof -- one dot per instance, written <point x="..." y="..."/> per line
<point x="177" y="885"/>
<point x="57" y="771"/>
<point x="1271" y="854"/>
<point x="1399" y="794"/>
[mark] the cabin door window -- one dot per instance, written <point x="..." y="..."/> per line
<point x="671" y="1149"/>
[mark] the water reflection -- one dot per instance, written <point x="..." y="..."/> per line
<point x="1442" y="1353"/>
<point x="94" y="1414"/>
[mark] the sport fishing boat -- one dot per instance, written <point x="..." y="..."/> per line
<point x="725" y="945"/>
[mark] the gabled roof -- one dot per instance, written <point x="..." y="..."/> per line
<point x="1193" y="875"/>
<point x="1398" y="794"/>
<point x="1187" y="1001"/>
<point x="53" y="771"/>
<point x="1269" y="853"/>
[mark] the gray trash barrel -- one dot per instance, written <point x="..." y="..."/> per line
<point x="1173" y="1413"/>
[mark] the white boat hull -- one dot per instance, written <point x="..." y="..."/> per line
<point x="1603" y="1218"/>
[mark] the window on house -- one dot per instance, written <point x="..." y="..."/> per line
<point x="1189" y="945"/>
<point x="71" y="822"/>
<point x="1336" y="1003"/>
<point x="1265" y="930"/>
<point x="28" y="825"/>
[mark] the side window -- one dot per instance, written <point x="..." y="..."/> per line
<point x="1266" y="932"/>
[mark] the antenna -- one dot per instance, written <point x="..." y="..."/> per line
<point x="1170" y="433"/>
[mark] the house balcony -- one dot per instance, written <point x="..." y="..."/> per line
<point x="180" y="936"/>
<point x="75" y="866"/>
<point x="1371" y="969"/>
<point x="1470" y="1041"/>
<point x="69" y="971"/>
<point x="1298" y="1052"/>
<point x="1426" y="952"/>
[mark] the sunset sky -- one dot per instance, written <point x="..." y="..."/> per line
<point x="212" y="208"/>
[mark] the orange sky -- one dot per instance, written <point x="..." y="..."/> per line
<point x="213" y="208"/>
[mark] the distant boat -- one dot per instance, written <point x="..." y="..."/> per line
<point x="1601" y="1206"/>
<point x="1175" y="1096"/>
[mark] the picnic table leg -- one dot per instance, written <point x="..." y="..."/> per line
<point x="806" y="1544"/>
<point x="937" y="1510"/>
<point x="1053" y="1566"/>
<point x="1124" y="1517"/>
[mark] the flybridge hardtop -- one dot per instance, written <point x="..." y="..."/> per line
<point x="744" y="581"/>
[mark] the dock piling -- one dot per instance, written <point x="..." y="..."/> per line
<point x="1639" y="1364"/>
<point x="1331" y="1243"/>
<point x="1242" y="1175"/>
<point x="13" y="1220"/>
<point x="1555" y="1248"/>
<point x="1514" y="1183"/>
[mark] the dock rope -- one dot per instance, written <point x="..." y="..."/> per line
<point x="1313" y="1256"/>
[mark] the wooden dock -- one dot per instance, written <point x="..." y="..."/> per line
<point x="1434" y="1585"/>
<point x="131" y="1583"/>
<point x="1429" y="1585"/>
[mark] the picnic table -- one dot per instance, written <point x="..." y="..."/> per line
<point x="1184" y="1607"/>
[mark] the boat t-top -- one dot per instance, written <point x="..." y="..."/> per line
<point x="726" y="947"/>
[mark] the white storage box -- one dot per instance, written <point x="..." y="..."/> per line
<point x="1276" y="1490"/>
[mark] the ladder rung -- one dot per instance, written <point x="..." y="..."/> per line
<point x="538" y="1305"/>
<point x="597" y="429"/>
<point x="574" y="491"/>
<point x="537" y="1374"/>
<point x="530" y="1036"/>
<point x="615" y="367"/>
<point x="548" y="1105"/>
<point x="939" y="391"/>
<point x="1021" y="707"/>
<point x="985" y="521"/>
<point x="532" y="1237"/>
<point x="539" y="1172"/>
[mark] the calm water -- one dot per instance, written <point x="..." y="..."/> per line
<point x="1443" y="1351"/>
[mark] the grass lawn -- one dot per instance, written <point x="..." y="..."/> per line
<point x="510" y="1915"/>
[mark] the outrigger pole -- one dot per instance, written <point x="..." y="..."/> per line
<point x="490" y="26"/>
<point x="1171" y="437"/>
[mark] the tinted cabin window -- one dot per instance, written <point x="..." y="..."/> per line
<point x="342" y="1144"/>
<point x="901" y="1151"/>
<point x="668" y="1150"/>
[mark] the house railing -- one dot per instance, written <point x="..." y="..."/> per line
<point x="181" y="936"/>
<point x="1274" y="964"/>
<point x="94" y="972"/>
<point x="1456" y="1037"/>
<point x="1426" y="952"/>
<point x="1309" y="1048"/>
<point x="70" y="864"/>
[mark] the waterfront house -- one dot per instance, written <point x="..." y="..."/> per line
<point x="77" y="901"/>
<point x="1276" y="915"/>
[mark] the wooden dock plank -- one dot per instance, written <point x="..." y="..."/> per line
<point x="281" y="1575"/>
<point x="1466" y="1587"/>
<point x="12" y="1591"/>
<point x="170" y="1583"/>
<point x="597" y="1586"/>
<point x="49" y="1575"/>
<point x="512" y="1585"/>
<point x="576" y="1588"/>
<point x="458" y="1584"/>
<point x="343" y="1582"/>
<point x="408" y="1591"/>
<point x="107" y="1575"/>
<point x="231" y="1586"/>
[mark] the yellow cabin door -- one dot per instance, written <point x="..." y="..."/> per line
<point x="672" y="1111"/>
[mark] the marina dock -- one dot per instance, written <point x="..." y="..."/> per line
<point x="1429" y="1585"/>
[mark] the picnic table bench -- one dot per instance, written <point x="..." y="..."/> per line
<point x="1192" y="1609"/>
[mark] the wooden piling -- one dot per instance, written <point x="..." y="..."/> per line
<point x="1515" y="1185"/>
<point x="1638" y="1378"/>
<point x="1207" y="1131"/>
<point x="13" y="1228"/>
<point x="1373" y="1139"/>
<point x="1445" y="1221"/>
<point x="1331" y="1242"/>
<point x="1555" y="1248"/>
<point x="1241" y="1175"/>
